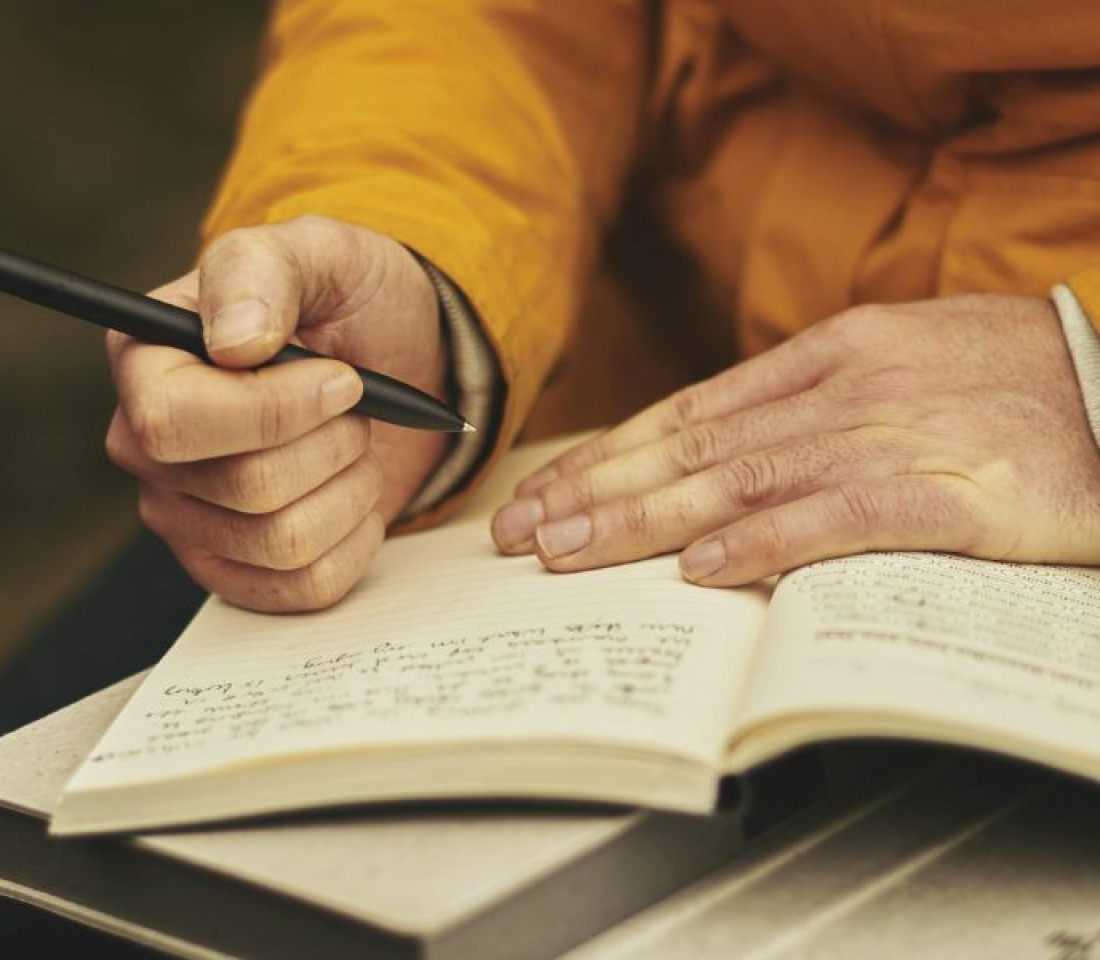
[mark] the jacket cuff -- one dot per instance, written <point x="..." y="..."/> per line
<point x="1084" y="347"/>
<point x="478" y="392"/>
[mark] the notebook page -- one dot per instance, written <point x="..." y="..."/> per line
<point x="998" y="646"/>
<point x="446" y="641"/>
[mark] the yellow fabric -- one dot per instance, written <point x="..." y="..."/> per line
<point x="789" y="159"/>
<point x="1086" y="287"/>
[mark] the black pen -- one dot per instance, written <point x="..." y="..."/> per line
<point x="152" y="321"/>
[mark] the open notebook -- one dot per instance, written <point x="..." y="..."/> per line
<point x="454" y="672"/>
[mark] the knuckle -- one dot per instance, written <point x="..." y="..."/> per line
<point x="156" y="428"/>
<point x="227" y="246"/>
<point x="773" y="541"/>
<point x="694" y="449"/>
<point x="749" y="480"/>
<point x="254" y="486"/>
<point x="274" y="415"/>
<point x="232" y="244"/>
<point x="241" y="261"/>
<point x="289" y="540"/>
<point x="635" y="518"/>
<point x="859" y="507"/>
<point x="950" y="510"/>
<point x="326" y="582"/>
<point x="685" y="408"/>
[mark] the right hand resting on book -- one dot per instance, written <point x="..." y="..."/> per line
<point x="266" y="494"/>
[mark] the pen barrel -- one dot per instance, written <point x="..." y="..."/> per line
<point x="154" y="321"/>
<point x="394" y="401"/>
<point x="102" y="304"/>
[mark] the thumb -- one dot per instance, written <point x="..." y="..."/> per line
<point x="249" y="296"/>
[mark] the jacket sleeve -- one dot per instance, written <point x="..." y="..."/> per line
<point x="1029" y="178"/>
<point x="490" y="136"/>
<point x="1086" y="288"/>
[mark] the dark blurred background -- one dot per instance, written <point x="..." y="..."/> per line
<point x="115" y="118"/>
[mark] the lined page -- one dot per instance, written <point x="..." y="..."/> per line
<point x="446" y="641"/>
<point x="1009" y="648"/>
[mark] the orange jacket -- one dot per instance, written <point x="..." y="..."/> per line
<point x="786" y="159"/>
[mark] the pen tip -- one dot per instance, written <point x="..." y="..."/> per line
<point x="469" y="428"/>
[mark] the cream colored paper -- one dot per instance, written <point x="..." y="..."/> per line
<point x="1000" y="655"/>
<point x="446" y="641"/>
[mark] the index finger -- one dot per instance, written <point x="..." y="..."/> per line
<point x="182" y="409"/>
<point x="792" y="367"/>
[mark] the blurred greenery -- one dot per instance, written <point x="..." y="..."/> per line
<point x="116" y="118"/>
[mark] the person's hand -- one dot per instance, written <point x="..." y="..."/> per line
<point x="953" y="425"/>
<point x="266" y="494"/>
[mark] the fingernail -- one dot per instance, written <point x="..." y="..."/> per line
<point x="340" y="392"/>
<point x="702" y="559"/>
<point x="539" y="478"/>
<point x="563" y="537"/>
<point x="237" y="324"/>
<point x="515" y="524"/>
